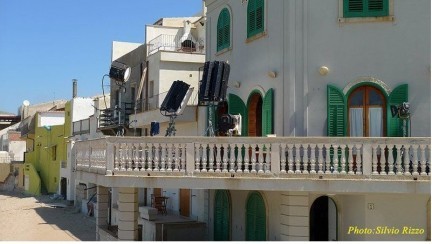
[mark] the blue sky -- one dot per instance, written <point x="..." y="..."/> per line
<point x="44" y="44"/>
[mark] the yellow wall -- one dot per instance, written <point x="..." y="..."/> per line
<point x="49" y="151"/>
<point x="34" y="184"/>
<point x="4" y="171"/>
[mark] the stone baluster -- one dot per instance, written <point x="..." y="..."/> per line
<point x="267" y="159"/>
<point x="415" y="161"/>
<point x="177" y="151"/>
<point x="253" y="159"/>
<point x="163" y="157"/>
<point x="246" y="159"/>
<point x="320" y="159"/>
<point x="423" y="159"/>
<point x="297" y="160"/>
<point x="156" y="156"/>
<point x="198" y="154"/>
<point x="343" y="159"/>
<point x="406" y="159"/>
<point x="290" y="149"/>
<point x="391" y="161"/>
<point x="218" y="154"/>
<point x="398" y="159"/>
<point x="150" y="156"/>
<point x="240" y="159"/>
<point x="169" y="149"/>
<point x="122" y="157"/>
<point x="283" y="160"/>
<point x="313" y="159"/>
<point x="260" y="159"/>
<point x="211" y="159"/>
<point x="225" y="159"/>
<point x="351" y="158"/>
<point x="137" y="158"/>
<point x="204" y="158"/>
<point x="374" y="150"/>
<point x="328" y="159"/>
<point x="232" y="158"/>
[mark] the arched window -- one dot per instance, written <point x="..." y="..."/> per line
<point x="255" y="17"/>
<point x="223" y="30"/>
<point x="366" y="112"/>
<point x="222" y="216"/>
<point x="256" y="220"/>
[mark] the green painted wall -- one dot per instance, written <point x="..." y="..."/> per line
<point x="34" y="180"/>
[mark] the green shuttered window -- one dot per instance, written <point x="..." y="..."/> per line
<point x="222" y="223"/>
<point x="223" y="30"/>
<point x="336" y="112"/>
<point x="255" y="218"/>
<point x="255" y="17"/>
<point x="365" y="8"/>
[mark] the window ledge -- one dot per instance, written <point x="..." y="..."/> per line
<point x="256" y="37"/>
<point x="220" y="52"/>
<point x="366" y="19"/>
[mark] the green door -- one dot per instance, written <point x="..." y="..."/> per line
<point x="222" y="223"/>
<point x="255" y="218"/>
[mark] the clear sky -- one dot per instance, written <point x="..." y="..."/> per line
<point x="44" y="44"/>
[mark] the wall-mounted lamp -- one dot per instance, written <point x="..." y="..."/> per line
<point x="272" y="74"/>
<point x="323" y="70"/>
<point x="236" y="84"/>
<point x="119" y="72"/>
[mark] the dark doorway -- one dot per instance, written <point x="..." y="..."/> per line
<point x="255" y="115"/>
<point x="323" y="220"/>
<point x="63" y="187"/>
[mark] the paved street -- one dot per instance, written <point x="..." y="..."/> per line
<point x="24" y="218"/>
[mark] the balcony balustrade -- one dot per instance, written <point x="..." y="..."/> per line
<point x="255" y="157"/>
<point x="175" y="43"/>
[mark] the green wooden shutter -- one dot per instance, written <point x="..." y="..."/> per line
<point x="259" y="24"/>
<point x="237" y="106"/>
<point x="223" y="29"/>
<point x="251" y="18"/>
<point x="256" y="227"/>
<point x="211" y="115"/>
<point x="397" y="97"/>
<point x="365" y="8"/>
<point x="336" y="112"/>
<point x="222" y="223"/>
<point x="267" y="113"/>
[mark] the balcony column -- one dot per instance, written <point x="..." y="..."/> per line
<point x="128" y="214"/>
<point x="101" y="211"/>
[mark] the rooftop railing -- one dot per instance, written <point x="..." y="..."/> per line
<point x="175" y="43"/>
<point x="255" y="157"/>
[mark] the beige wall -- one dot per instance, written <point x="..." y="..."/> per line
<point x="4" y="171"/>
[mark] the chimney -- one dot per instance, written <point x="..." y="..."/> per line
<point x="74" y="85"/>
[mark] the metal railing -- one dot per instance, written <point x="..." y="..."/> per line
<point x="175" y="43"/>
<point x="81" y="127"/>
<point x="248" y="156"/>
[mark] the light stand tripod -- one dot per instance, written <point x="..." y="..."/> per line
<point x="171" y="130"/>
<point x="210" y="129"/>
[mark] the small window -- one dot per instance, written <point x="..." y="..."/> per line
<point x="223" y="30"/>
<point x="255" y="17"/>
<point x="54" y="153"/>
<point x="365" y="8"/>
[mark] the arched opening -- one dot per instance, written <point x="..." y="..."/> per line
<point x="256" y="220"/>
<point x="366" y="112"/>
<point x="255" y="103"/>
<point x="323" y="220"/>
<point x="222" y="216"/>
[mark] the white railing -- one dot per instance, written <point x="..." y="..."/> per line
<point x="247" y="156"/>
<point x="175" y="43"/>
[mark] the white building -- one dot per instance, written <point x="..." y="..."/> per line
<point x="322" y="76"/>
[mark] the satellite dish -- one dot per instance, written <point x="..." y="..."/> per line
<point x="26" y="103"/>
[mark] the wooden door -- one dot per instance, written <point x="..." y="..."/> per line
<point x="185" y="202"/>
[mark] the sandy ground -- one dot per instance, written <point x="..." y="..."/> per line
<point x="25" y="218"/>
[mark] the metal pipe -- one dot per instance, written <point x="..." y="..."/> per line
<point x="74" y="88"/>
